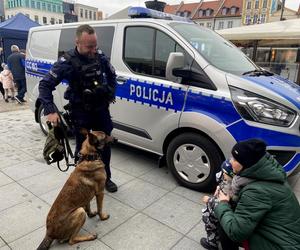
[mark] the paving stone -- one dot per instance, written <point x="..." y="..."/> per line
<point x="50" y="197"/>
<point x="12" y="194"/>
<point x="136" y="166"/>
<point x="187" y="244"/>
<point x="119" y="177"/>
<point x="197" y="232"/>
<point x="22" y="219"/>
<point x="44" y="182"/>
<point x="4" y="179"/>
<point x="190" y="194"/>
<point x="26" y="169"/>
<point x="139" y="194"/>
<point x="160" y="177"/>
<point x="118" y="212"/>
<point x="5" y="248"/>
<point x="141" y="232"/>
<point x="176" y="212"/>
<point x="32" y="240"/>
<point x="2" y="243"/>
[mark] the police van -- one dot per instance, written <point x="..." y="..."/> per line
<point x="184" y="92"/>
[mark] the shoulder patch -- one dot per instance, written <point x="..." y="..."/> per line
<point x="62" y="59"/>
<point x="52" y="74"/>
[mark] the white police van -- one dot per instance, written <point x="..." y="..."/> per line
<point x="183" y="92"/>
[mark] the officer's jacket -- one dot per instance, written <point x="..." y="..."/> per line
<point x="64" y="69"/>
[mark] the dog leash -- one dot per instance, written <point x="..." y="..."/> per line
<point x="67" y="151"/>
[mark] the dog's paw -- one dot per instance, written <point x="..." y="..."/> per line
<point x="103" y="216"/>
<point x="91" y="214"/>
<point x="94" y="236"/>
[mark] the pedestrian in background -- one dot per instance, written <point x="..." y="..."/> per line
<point x="6" y="78"/>
<point x="267" y="214"/>
<point x="16" y="63"/>
<point x="1" y="85"/>
<point x="92" y="86"/>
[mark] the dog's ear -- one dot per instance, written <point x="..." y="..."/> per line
<point x="84" y="131"/>
<point x="109" y="139"/>
<point x="92" y="138"/>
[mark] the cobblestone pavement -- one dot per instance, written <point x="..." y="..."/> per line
<point x="150" y="210"/>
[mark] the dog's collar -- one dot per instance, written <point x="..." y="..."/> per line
<point x="92" y="157"/>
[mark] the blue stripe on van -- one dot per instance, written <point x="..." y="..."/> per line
<point x="216" y="107"/>
<point x="272" y="137"/>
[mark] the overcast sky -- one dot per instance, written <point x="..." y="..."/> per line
<point x="111" y="6"/>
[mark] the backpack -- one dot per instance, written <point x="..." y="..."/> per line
<point x="54" y="149"/>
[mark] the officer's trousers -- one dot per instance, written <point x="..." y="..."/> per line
<point x="97" y="120"/>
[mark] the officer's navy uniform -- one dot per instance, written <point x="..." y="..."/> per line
<point x="91" y="88"/>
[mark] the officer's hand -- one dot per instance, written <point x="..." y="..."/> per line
<point x="53" y="118"/>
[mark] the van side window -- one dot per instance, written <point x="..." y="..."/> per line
<point x="104" y="34"/>
<point x="146" y="51"/>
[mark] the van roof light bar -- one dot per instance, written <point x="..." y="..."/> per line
<point x="142" y="12"/>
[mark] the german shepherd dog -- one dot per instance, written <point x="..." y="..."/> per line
<point x="67" y="214"/>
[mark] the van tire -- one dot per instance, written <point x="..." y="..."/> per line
<point x="42" y="120"/>
<point x="189" y="146"/>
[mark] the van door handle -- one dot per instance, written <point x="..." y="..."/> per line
<point x="121" y="79"/>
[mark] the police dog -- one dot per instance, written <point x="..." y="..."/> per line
<point x="67" y="214"/>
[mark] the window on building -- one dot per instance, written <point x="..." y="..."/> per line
<point x="208" y="25"/>
<point x="233" y="10"/>
<point x="255" y="18"/>
<point x="36" y="19"/>
<point x="94" y="15"/>
<point x="90" y="15"/>
<point x="43" y="6"/>
<point x="86" y="13"/>
<point x="248" y="19"/>
<point x="262" y="18"/>
<point x="201" y="24"/>
<point x="32" y="4"/>
<point x="265" y="4"/>
<point x="224" y="11"/>
<point x="249" y="5"/>
<point x="208" y="12"/>
<point x="59" y="8"/>
<point x="81" y="12"/>
<point x="200" y="12"/>
<point x="49" y="7"/>
<point x="60" y="21"/>
<point x="44" y="20"/>
<point x="54" y="8"/>
<point x="221" y="25"/>
<point x="229" y="24"/>
<point x="256" y="6"/>
<point x="38" y="5"/>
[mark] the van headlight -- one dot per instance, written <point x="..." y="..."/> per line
<point x="257" y="108"/>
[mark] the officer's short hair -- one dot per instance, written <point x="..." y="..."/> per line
<point x="14" y="48"/>
<point x="84" y="28"/>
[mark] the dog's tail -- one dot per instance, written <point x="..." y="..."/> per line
<point x="46" y="243"/>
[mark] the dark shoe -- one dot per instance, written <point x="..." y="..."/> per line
<point x="6" y="100"/>
<point x="110" y="186"/>
<point x="206" y="245"/>
<point x="22" y="100"/>
<point x="12" y="98"/>
<point x="18" y="100"/>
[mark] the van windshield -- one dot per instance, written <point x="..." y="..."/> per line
<point x="215" y="49"/>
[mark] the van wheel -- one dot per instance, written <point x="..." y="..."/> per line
<point x="194" y="161"/>
<point x="42" y="120"/>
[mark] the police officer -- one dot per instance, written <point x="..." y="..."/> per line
<point x="92" y="83"/>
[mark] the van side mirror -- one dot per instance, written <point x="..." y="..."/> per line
<point x="175" y="60"/>
<point x="198" y="79"/>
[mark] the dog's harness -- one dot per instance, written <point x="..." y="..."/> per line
<point x="92" y="157"/>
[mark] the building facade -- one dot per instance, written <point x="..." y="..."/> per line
<point x="258" y="11"/>
<point x="41" y="11"/>
<point x="69" y="12"/>
<point x="218" y="14"/>
<point x="2" y="16"/>
<point x="85" y="13"/>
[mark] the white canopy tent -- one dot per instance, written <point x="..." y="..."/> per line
<point x="288" y="29"/>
